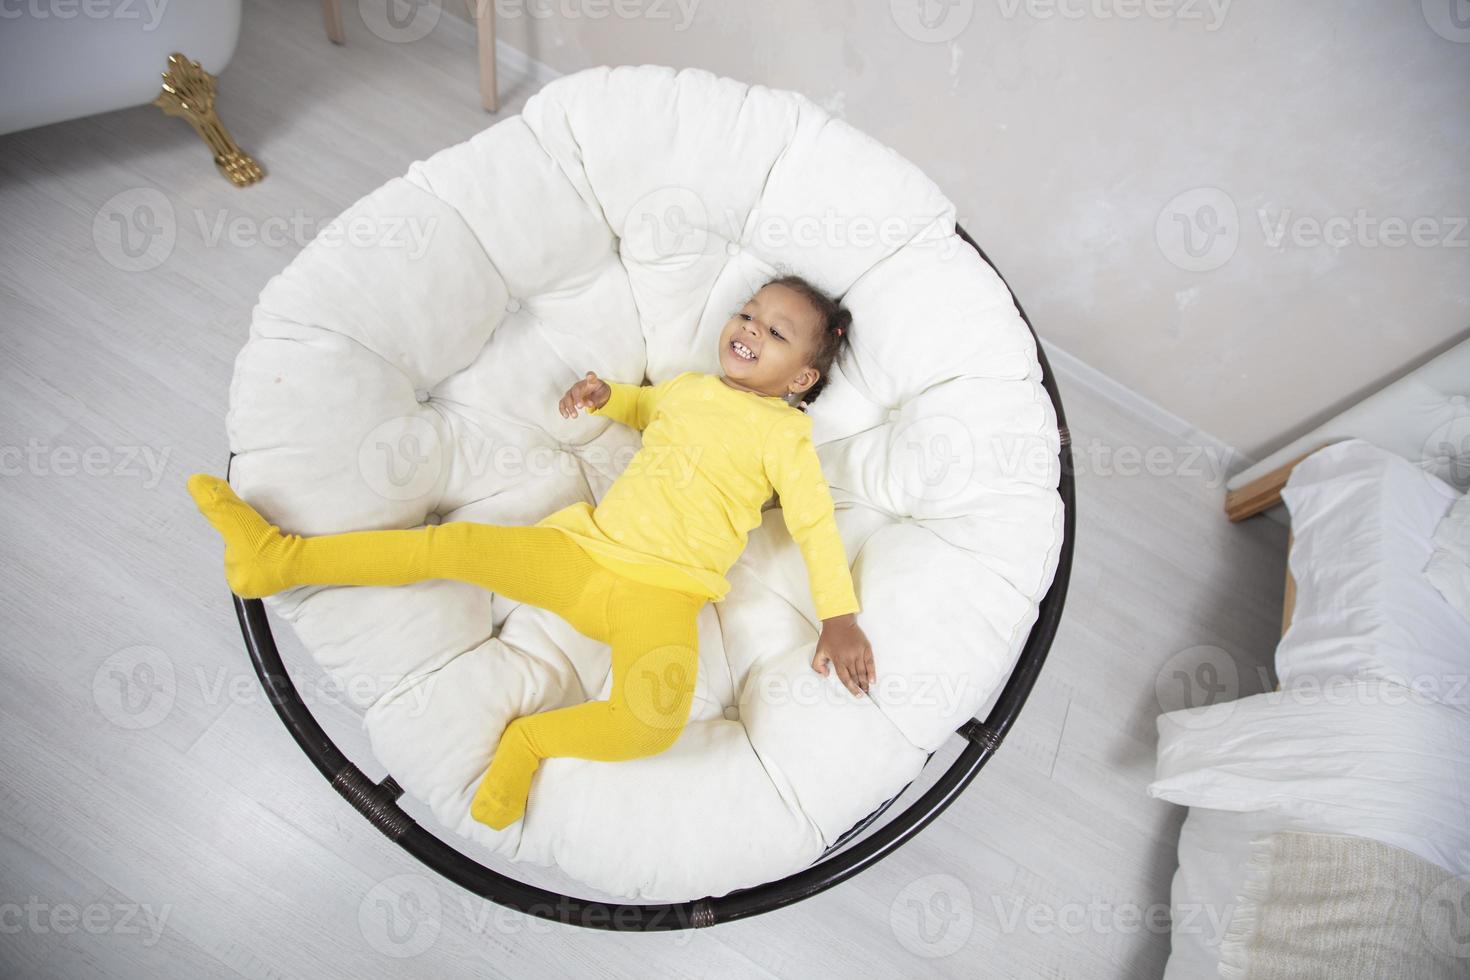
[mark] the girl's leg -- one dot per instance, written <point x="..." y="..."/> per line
<point x="536" y="565"/>
<point x="655" y="659"/>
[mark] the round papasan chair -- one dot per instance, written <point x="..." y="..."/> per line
<point x="405" y="368"/>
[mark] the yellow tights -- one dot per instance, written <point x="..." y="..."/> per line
<point x="652" y="631"/>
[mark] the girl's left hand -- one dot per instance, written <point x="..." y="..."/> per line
<point x="844" y="643"/>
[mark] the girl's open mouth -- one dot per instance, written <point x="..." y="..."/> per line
<point x="741" y="351"/>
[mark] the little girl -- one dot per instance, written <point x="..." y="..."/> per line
<point x="635" y="571"/>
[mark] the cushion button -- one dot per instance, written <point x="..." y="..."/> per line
<point x="434" y="519"/>
<point x="733" y="248"/>
<point x="732" y="713"/>
<point x="421" y="395"/>
<point x="512" y="305"/>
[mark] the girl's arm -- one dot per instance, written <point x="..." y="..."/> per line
<point x="795" y="471"/>
<point x="632" y="405"/>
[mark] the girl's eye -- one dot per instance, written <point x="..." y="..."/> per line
<point x="747" y="316"/>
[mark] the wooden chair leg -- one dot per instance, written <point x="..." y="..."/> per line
<point x="332" y="14"/>
<point x="484" y="12"/>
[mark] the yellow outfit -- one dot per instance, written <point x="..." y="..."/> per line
<point x="678" y="516"/>
<point x="634" y="573"/>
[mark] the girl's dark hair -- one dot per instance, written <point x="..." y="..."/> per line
<point x="837" y="325"/>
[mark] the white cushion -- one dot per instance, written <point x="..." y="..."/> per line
<point x="612" y="227"/>
<point x="1363" y="521"/>
<point x="1448" y="569"/>
<point x="1355" y="756"/>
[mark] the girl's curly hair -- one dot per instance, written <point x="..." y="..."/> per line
<point x="837" y="325"/>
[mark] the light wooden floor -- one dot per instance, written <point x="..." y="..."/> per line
<point x="158" y="821"/>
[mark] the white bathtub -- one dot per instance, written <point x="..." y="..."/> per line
<point x="61" y="59"/>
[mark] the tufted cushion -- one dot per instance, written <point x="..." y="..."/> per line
<point x="405" y="369"/>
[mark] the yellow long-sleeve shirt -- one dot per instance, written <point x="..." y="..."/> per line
<point x="679" y="514"/>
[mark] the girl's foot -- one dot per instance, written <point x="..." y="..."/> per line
<point x="257" y="554"/>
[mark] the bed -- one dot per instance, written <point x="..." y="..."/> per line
<point x="1361" y="751"/>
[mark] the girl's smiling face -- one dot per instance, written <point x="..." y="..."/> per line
<point x="767" y="346"/>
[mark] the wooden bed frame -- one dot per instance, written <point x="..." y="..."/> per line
<point x="1259" y="495"/>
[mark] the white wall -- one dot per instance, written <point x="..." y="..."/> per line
<point x="1082" y="139"/>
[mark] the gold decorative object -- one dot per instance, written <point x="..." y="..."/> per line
<point x="188" y="92"/>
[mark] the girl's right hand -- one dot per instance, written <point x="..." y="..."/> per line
<point x="590" y="392"/>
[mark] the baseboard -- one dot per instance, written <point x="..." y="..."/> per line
<point x="512" y="65"/>
<point x="1078" y="372"/>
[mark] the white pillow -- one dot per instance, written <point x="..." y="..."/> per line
<point x="1359" y="756"/>
<point x="1449" y="567"/>
<point x="1364" y="520"/>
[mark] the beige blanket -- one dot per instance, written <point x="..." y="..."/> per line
<point x="1346" y="908"/>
